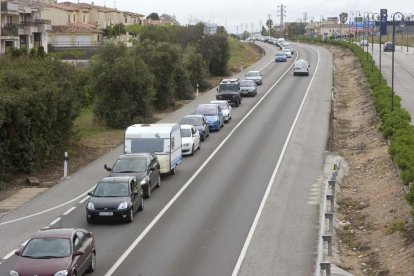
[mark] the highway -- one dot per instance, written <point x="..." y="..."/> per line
<point x="247" y="203"/>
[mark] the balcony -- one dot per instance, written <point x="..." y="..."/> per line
<point x="9" y="33"/>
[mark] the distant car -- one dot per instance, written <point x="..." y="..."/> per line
<point x="115" y="197"/>
<point x="256" y="76"/>
<point x="213" y="113"/>
<point x="280" y="57"/>
<point x="226" y="108"/>
<point x="389" y="47"/>
<point x="200" y="122"/>
<point x="190" y="139"/>
<point x="363" y="43"/>
<point x="63" y="251"/>
<point x="288" y="52"/>
<point x="248" y="88"/>
<point x="144" y="166"/>
<point x="301" y="67"/>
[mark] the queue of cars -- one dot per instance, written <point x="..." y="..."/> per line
<point x="149" y="151"/>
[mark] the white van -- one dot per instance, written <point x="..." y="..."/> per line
<point x="301" y="67"/>
<point x="164" y="140"/>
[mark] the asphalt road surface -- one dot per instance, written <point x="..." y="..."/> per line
<point x="246" y="203"/>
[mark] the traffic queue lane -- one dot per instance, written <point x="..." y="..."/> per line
<point x="112" y="239"/>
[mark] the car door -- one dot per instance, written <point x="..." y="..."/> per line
<point x="135" y="195"/>
<point x="80" y="262"/>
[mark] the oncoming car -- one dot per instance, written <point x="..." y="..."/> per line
<point x="58" y="252"/>
<point x="190" y="139"/>
<point x="226" y="108"/>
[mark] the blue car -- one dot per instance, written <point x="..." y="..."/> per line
<point x="200" y="122"/>
<point x="213" y="113"/>
<point x="280" y="57"/>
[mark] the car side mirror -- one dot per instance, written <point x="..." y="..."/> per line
<point x="151" y="169"/>
<point x="217" y="89"/>
<point x="90" y="194"/>
<point x="135" y="193"/>
<point x="17" y="252"/>
<point x="78" y="253"/>
<point x="107" y="168"/>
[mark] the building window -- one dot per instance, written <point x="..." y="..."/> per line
<point x="68" y="18"/>
<point x="84" y="19"/>
<point x="74" y="18"/>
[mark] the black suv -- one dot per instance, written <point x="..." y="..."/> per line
<point x="144" y="166"/>
<point x="229" y="90"/>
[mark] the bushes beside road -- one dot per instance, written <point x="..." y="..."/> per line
<point x="396" y="124"/>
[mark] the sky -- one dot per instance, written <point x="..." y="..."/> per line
<point x="240" y="15"/>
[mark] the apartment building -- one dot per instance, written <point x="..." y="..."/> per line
<point x="22" y="25"/>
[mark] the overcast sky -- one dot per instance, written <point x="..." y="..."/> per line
<point x="250" y="13"/>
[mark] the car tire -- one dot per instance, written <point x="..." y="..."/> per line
<point x="89" y="220"/>
<point x="159" y="181"/>
<point x="148" y="191"/>
<point x="203" y="138"/>
<point x="236" y="103"/>
<point x="173" y="171"/>
<point x="92" y="265"/>
<point x="141" y="206"/>
<point x="192" y="150"/>
<point x="130" y="217"/>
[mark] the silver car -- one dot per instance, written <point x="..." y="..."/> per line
<point x="256" y="76"/>
<point x="248" y="88"/>
<point x="226" y="108"/>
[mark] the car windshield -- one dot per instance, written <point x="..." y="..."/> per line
<point x="253" y="74"/>
<point x="228" y="87"/>
<point x="247" y="83"/>
<point x="196" y="121"/>
<point x="280" y="54"/>
<point x="109" y="189"/>
<point x="130" y="166"/>
<point x="47" y="248"/>
<point x="185" y="132"/>
<point x="207" y="110"/>
<point x="221" y="104"/>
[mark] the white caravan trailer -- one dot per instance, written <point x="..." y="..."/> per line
<point x="162" y="139"/>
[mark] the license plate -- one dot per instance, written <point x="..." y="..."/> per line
<point x="106" y="214"/>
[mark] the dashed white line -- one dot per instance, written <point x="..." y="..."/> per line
<point x="9" y="255"/>
<point x="54" y="222"/>
<point x="68" y="211"/>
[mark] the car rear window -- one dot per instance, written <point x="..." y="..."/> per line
<point x="246" y="83"/>
<point x="196" y="121"/>
<point x="207" y="110"/>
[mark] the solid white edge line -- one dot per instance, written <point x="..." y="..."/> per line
<point x="68" y="211"/>
<point x="56" y="220"/>
<point x="183" y="188"/>
<point x="47" y="210"/>
<point x="9" y="255"/>
<point x="84" y="199"/>
<point x="270" y="184"/>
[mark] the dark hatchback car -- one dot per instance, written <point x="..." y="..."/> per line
<point x="58" y="252"/>
<point x="389" y="47"/>
<point x="200" y="122"/>
<point x="115" y="197"/>
<point x="144" y="166"/>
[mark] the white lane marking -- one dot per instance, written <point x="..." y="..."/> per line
<point x="183" y="188"/>
<point x="9" y="255"/>
<point x="55" y="221"/>
<point x="269" y="185"/>
<point x="84" y="199"/>
<point x="68" y="211"/>
<point x="47" y="210"/>
<point x="24" y="243"/>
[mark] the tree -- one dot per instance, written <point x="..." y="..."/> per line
<point x="153" y="16"/>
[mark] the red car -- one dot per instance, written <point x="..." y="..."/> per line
<point x="57" y="252"/>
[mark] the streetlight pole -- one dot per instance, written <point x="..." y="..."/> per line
<point x="366" y="18"/>
<point x="393" y="50"/>
<point x="372" y="38"/>
<point x="349" y="25"/>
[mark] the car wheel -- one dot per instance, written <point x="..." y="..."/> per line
<point x="148" y="190"/>
<point x="159" y="181"/>
<point x="74" y="273"/>
<point x="92" y="265"/>
<point x="89" y="219"/>
<point x="236" y="103"/>
<point x="130" y="217"/>
<point x="192" y="150"/>
<point x="141" y="206"/>
<point x="202" y="138"/>
<point x="173" y="170"/>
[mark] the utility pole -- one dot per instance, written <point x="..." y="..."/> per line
<point x="281" y="12"/>
<point x="305" y="17"/>
<point x="270" y="24"/>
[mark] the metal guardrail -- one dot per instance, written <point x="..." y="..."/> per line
<point x="325" y="234"/>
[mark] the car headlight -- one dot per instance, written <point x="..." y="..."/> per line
<point x="90" y="206"/>
<point x="123" y="205"/>
<point x="13" y="273"/>
<point x="61" y="273"/>
<point x="187" y="145"/>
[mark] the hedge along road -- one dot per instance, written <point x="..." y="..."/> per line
<point x="217" y="205"/>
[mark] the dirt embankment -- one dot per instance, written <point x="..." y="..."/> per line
<point x="376" y="234"/>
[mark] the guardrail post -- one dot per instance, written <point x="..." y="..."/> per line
<point x="331" y="198"/>
<point x="332" y="184"/>
<point x="327" y="267"/>
<point x="329" y="216"/>
<point x="328" y="238"/>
